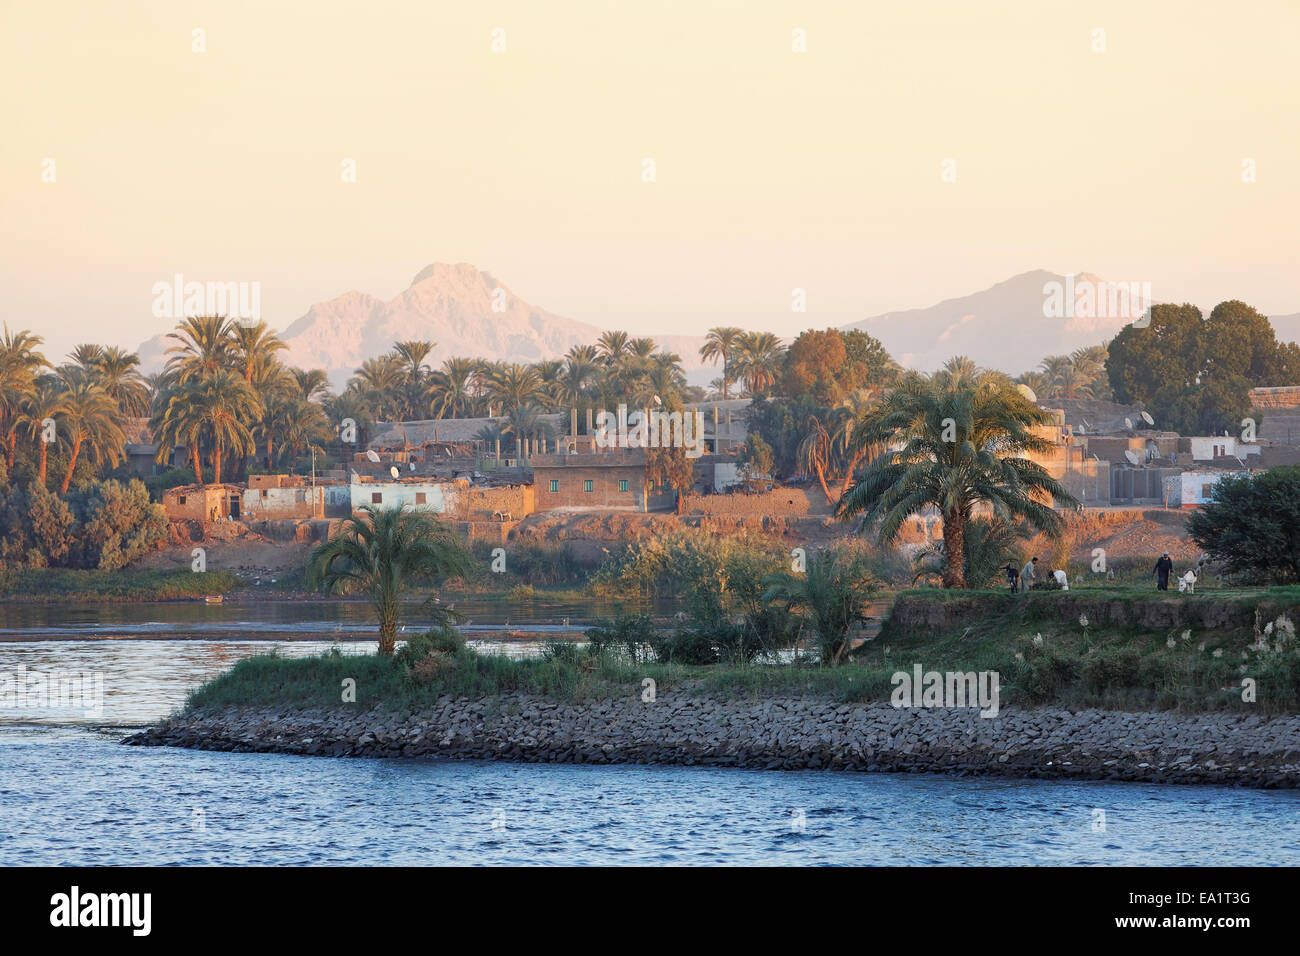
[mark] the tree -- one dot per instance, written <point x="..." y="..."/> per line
<point x="818" y="364"/>
<point x="720" y="344"/>
<point x="953" y="442"/>
<point x="832" y="594"/>
<point x="759" y="361"/>
<point x="89" y="422"/>
<point x="1252" y="525"/>
<point x="44" y="403"/>
<point x="380" y="552"/>
<point x="203" y="345"/>
<point x="253" y="348"/>
<point x="670" y="468"/>
<point x="226" y="409"/>
<point x="117" y="372"/>
<point x="988" y="544"/>
<point x="19" y="365"/>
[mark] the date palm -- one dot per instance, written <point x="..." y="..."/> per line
<point x="253" y="347"/>
<point x="88" y="422"/>
<point x="381" y="551"/>
<point x="720" y="345"/>
<point x="612" y="346"/>
<point x="117" y="372"/>
<point x="450" y="389"/>
<point x="19" y="365"/>
<point x="953" y="442"/>
<point x="759" y="360"/>
<point x="379" y="382"/>
<point x="43" y="404"/>
<point x="204" y="344"/>
<point x="513" y="386"/>
<point x="833" y="594"/>
<point x="228" y="408"/>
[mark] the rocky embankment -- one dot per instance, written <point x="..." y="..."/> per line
<point x="681" y="727"/>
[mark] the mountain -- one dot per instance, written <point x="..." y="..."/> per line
<point x="451" y="305"/>
<point x="1007" y="326"/>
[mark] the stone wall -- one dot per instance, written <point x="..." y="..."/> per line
<point x="780" y="502"/>
<point x="774" y="733"/>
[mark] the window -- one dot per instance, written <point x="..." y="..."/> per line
<point x="376" y="497"/>
<point x="180" y="500"/>
<point x="263" y="492"/>
<point x="622" y="484"/>
<point x="555" y="484"/>
<point x="1206" y="491"/>
<point x="650" y="487"/>
<point x="419" y="498"/>
<point x="588" y="485"/>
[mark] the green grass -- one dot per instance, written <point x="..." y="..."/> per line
<point x="60" y="585"/>
<point x="1036" y="643"/>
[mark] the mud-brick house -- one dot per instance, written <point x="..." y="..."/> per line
<point x="604" y="480"/>
<point x="204" y="502"/>
<point x="282" y="497"/>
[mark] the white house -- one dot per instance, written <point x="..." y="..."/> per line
<point x="423" y="495"/>
<point x="1221" y="446"/>
<point x="1192" y="489"/>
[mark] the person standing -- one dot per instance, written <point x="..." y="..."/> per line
<point x="1027" y="574"/>
<point x="1161" y="571"/>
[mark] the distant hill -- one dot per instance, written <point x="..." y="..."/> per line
<point x="451" y="305"/>
<point x="1003" y="327"/>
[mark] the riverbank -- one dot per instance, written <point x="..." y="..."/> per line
<point x="681" y="726"/>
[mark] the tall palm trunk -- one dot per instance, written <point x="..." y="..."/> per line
<point x="198" y="464"/>
<point x="72" y="464"/>
<point x="954" y="548"/>
<point x="821" y="477"/>
<point x="387" y="637"/>
<point x="848" y="472"/>
<point x="12" y="448"/>
<point x="45" y="452"/>
<point x="216" y="463"/>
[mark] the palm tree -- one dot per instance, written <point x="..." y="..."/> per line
<point x="253" y="348"/>
<point x="309" y="384"/>
<point x="814" y="452"/>
<point x="44" y="403"/>
<point x="611" y="347"/>
<point x="720" y="345"/>
<point x="89" y="422"/>
<point x="177" y="423"/>
<point x="378" y="381"/>
<point x="227" y="409"/>
<point x="513" y="386"/>
<point x="380" y="551"/>
<point x="19" y="364"/>
<point x="952" y="444"/>
<point x="117" y="372"/>
<point x="449" y="388"/>
<point x="758" y="362"/>
<point x="832" y="595"/>
<point x="414" y="390"/>
<point x="203" y="345"/>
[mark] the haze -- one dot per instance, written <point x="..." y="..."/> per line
<point x="775" y="170"/>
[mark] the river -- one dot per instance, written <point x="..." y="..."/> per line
<point x="70" y="794"/>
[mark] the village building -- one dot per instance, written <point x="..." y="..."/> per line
<point x="215" y="502"/>
<point x="612" y="479"/>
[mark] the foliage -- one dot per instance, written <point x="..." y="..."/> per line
<point x="1251" y="525"/>
<point x="103" y="525"/>
<point x="381" y="552"/>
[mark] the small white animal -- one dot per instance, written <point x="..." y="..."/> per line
<point x="1187" y="583"/>
<point x="1062" y="579"/>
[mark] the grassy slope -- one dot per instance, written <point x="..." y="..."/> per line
<point x="1103" y="665"/>
<point x="57" y="585"/>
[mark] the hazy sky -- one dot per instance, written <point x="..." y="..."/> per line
<point x="775" y="169"/>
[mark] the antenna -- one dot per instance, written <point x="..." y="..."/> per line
<point x="394" y="472"/>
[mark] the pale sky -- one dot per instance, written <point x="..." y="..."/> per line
<point x="775" y="169"/>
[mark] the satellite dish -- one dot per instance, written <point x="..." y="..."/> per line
<point x="372" y="455"/>
<point x="394" y="472"/>
<point x="1028" y="392"/>
<point x="1132" y="457"/>
<point x="1128" y="423"/>
<point x="1082" y="430"/>
<point x="1148" y="419"/>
